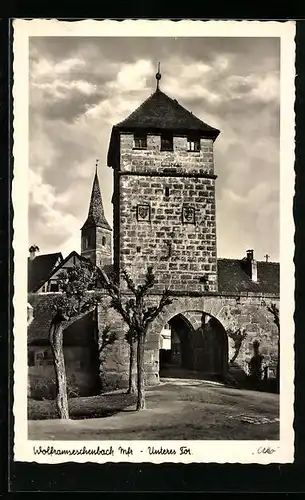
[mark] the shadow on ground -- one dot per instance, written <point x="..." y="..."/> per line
<point x="235" y="378"/>
<point x="101" y="406"/>
<point x="176" y="409"/>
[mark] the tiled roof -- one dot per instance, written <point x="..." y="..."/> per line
<point x="232" y="277"/>
<point x="161" y="112"/>
<point x="39" y="327"/>
<point x="40" y="268"/>
<point x="96" y="216"/>
<point x="77" y="331"/>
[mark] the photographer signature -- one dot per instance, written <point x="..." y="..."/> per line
<point x="265" y="450"/>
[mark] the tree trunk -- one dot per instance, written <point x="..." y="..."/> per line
<point x="56" y="341"/>
<point x="140" y="373"/>
<point x="236" y="353"/>
<point x="132" y="366"/>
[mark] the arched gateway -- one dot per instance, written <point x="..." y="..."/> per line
<point x="164" y="216"/>
<point x="195" y="338"/>
<point x="193" y="341"/>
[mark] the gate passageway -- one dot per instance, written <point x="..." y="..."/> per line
<point x="186" y="351"/>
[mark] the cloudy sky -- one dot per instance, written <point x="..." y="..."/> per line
<point x="80" y="87"/>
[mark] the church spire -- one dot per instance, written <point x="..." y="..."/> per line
<point x="96" y="216"/>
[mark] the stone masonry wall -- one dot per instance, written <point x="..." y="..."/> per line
<point x="183" y="254"/>
<point x="103" y="252"/>
<point x="153" y="159"/>
<point x="114" y="354"/>
<point x="99" y="254"/>
<point x="249" y="312"/>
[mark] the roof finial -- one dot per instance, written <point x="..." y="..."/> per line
<point x="158" y="76"/>
<point x="96" y="165"/>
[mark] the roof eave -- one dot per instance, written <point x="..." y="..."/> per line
<point x="103" y="225"/>
<point x="209" y="133"/>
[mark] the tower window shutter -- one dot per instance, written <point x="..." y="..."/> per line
<point x="140" y="141"/>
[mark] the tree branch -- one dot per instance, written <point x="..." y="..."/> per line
<point x="148" y="283"/>
<point x="153" y="312"/>
<point x="130" y="283"/>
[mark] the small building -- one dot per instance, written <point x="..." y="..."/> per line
<point x="81" y="341"/>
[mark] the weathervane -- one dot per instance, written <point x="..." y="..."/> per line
<point x="158" y="76"/>
<point x="96" y="164"/>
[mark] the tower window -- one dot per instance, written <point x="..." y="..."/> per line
<point x="104" y="241"/>
<point x="87" y="241"/>
<point x="169" y="249"/>
<point x="167" y="142"/>
<point x="193" y="143"/>
<point x="140" y="141"/>
<point x="167" y="192"/>
<point x="138" y="249"/>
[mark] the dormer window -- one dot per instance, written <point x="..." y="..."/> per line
<point x="193" y="143"/>
<point x="54" y="287"/>
<point x="167" y="141"/>
<point x="140" y="141"/>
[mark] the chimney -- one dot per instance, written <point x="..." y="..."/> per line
<point x="252" y="265"/>
<point x="33" y="249"/>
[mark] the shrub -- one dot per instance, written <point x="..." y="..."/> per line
<point x="45" y="388"/>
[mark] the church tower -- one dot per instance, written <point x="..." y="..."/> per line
<point x="96" y="239"/>
<point x="164" y="195"/>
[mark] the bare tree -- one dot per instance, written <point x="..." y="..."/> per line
<point x="238" y="336"/>
<point x="68" y="307"/>
<point x="135" y="310"/>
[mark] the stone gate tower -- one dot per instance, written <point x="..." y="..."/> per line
<point x="96" y="239"/>
<point x="164" y="195"/>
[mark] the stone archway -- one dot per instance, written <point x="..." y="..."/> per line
<point x="198" y="343"/>
<point x="192" y="308"/>
<point x="178" y="353"/>
<point x="210" y="347"/>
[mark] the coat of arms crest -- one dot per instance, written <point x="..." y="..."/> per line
<point x="143" y="212"/>
<point x="188" y="214"/>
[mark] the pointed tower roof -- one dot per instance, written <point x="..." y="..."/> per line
<point x="96" y="216"/>
<point x="160" y="112"/>
<point x="157" y="113"/>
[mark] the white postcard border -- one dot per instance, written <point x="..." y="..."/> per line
<point x="201" y="451"/>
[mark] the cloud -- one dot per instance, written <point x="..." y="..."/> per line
<point x="132" y="76"/>
<point x="42" y="69"/>
<point x="81" y="87"/>
<point x="44" y="209"/>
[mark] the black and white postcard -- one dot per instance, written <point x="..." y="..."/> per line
<point x="153" y="241"/>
